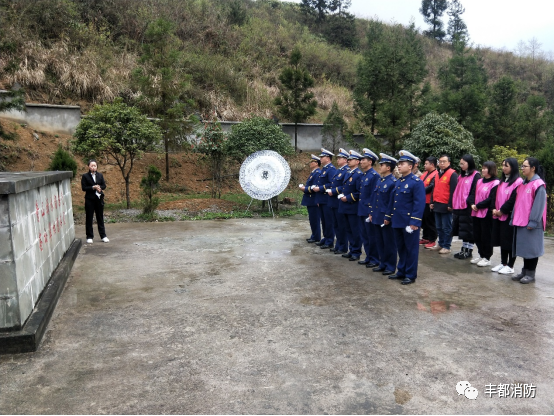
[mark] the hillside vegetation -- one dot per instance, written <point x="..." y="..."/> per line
<point x="85" y="51"/>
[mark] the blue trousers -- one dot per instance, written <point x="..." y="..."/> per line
<point x="386" y="246"/>
<point x="326" y="213"/>
<point x="443" y="222"/>
<point x="353" y="231"/>
<point x="408" y="252"/>
<point x="368" y="240"/>
<point x="340" y="231"/>
<point x="343" y="223"/>
<point x="313" y="217"/>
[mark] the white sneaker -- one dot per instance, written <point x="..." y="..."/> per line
<point x="506" y="270"/>
<point x="105" y="240"/>
<point x="484" y="262"/>
<point x="476" y="260"/>
<point x="497" y="268"/>
<point x="89" y="240"/>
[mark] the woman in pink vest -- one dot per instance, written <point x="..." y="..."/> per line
<point x="462" y="200"/>
<point x="485" y="197"/>
<point x="502" y="231"/>
<point x="529" y="219"/>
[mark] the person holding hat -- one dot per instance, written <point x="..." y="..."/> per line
<point x="308" y="200"/>
<point x="368" y="184"/>
<point x="380" y="218"/>
<point x="333" y="190"/>
<point x="407" y="215"/>
<point x="323" y="200"/>
<point x="348" y="206"/>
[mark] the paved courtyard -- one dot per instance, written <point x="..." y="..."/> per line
<point x="243" y="316"/>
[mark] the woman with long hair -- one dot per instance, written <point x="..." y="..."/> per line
<point x="462" y="200"/>
<point x="485" y="197"/>
<point x="502" y="230"/>
<point x="529" y="219"/>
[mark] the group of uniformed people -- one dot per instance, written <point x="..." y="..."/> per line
<point x="363" y="204"/>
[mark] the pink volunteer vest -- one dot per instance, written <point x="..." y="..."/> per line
<point x="462" y="191"/>
<point x="503" y="194"/>
<point x="524" y="203"/>
<point x="482" y="192"/>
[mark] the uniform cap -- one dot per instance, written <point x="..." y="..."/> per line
<point x="354" y="155"/>
<point x="368" y="153"/>
<point x="343" y="153"/>
<point x="315" y="158"/>
<point x="407" y="156"/>
<point x="325" y="152"/>
<point x="387" y="159"/>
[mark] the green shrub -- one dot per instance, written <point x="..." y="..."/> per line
<point x="63" y="161"/>
<point x="149" y="185"/>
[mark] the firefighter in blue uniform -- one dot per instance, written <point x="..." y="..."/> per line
<point x="323" y="200"/>
<point x="381" y="203"/>
<point x="333" y="190"/>
<point x="348" y="205"/>
<point x="308" y="200"/>
<point x="407" y="212"/>
<point x="368" y="184"/>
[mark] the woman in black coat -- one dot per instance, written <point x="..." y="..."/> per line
<point x="93" y="184"/>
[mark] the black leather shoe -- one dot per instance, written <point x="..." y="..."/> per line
<point x="340" y="252"/>
<point x="333" y="249"/>
<point x="371" y="265"/>
<point x="353" y="258"/>
<point x="363" y="262"/>
<point x="379" y="269"/>
<point x="324" y="246"/>
<point x="309" y="240"/>
<point x="319" y="243"/>
<point x="387" y="272"/>
<point x="347" y="255"/>
<point x="407" y="281"/>
<point x="396" y="277"/>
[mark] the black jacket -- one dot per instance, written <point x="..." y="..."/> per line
<point x="87" y="183"/>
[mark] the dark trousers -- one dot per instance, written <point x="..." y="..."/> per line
<point x="428" y="224"/>
<point x="368" y="240"/>
<point x="94" y="206"/>
<point x="408" y="252"/>
<point x="353" y="233"/>
<point x="482" y="234"/>
<point x="386" y="246"/>
<point x="530" y="264"/>
<point x="314" y="218"/>
<point x="507" y="258"/>
<point x="340" y="231"/>
<point x="326" y="213"/>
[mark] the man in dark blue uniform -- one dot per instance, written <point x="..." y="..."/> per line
<point x="380" y="217"/>
<point x="348" y="205"/>
<point x="333" y="190"/>
<point x="407" y="214"/>
<point x="323" y="199"/>
<point x="308" y="200"/>
<point x="368" y="184"/>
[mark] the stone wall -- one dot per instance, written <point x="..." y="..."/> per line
<point x="36" y="229"/>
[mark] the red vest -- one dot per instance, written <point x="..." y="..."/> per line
<point x="441" y="192"/>
<point x="427" y="178"/>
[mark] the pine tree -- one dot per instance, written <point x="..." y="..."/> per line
<point x="501" y="120"/>
<point x="432" y="11"/>
<point x="333" y="128"/>
<point x="456" y="26"/>
<point x="296" y="103"/>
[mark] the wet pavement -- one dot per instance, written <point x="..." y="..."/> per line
<point x="243" y="316"/>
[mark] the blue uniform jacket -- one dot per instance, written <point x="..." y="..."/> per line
<point x="367" y="188"/>
<point x="409" y="202"/>
<point x="327" y="173"/>
<point x="350" y="189"/>
<point x="335" y="185"/>
<point x="383" y="200"/>
<point x="308" y="199"/>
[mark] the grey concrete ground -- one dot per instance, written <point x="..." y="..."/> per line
<point x="243" y="316"/>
